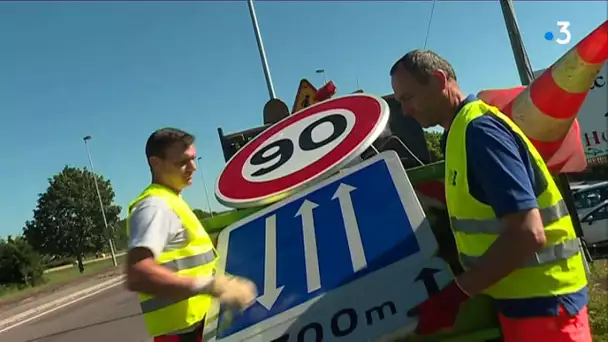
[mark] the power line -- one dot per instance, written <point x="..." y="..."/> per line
<point x="428" y="29"/>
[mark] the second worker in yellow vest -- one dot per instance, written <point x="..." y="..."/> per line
<point x="171" y="259"/>
<point x="514" y="235"/>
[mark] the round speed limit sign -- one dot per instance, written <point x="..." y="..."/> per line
<point x="300" y="149"/>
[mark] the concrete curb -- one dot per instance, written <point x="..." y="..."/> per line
<point x="48" y="307"/>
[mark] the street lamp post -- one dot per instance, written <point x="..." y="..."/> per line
<point x="103" y="212"/>
<point x="205" y="187"/>
<point x="258" y="37"/>
<point x="322" y="71"/>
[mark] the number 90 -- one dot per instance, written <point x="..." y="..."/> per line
<point x="279" y="152"/>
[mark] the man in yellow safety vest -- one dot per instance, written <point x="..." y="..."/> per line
<point x="171" y="259"/>
<point x="514" y="235"/>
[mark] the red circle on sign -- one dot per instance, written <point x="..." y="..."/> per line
<point x="371" y="116"/>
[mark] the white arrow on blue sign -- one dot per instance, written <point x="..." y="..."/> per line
<point x="316" y="251"/>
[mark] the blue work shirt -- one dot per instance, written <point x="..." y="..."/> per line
<point x="500" y="174"/>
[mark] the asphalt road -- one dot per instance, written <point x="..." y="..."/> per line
<point x="110" y="316"/>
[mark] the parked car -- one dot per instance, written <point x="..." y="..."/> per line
<point x="587" y="196"/>
<point x="595" y="224"/>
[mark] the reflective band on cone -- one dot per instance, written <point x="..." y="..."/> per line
<point x="573" y="74"/>
<point x="536" y="124"/>
<point x="553" y="101"/>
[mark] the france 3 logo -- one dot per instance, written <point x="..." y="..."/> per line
<point x="564" y="33"/>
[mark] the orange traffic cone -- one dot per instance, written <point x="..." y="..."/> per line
<point x="500" y="98"/>
<point x="569" y="157"/>
<point x="546" y="109"/>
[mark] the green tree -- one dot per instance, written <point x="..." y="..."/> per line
<point x="67" y="220"/>
<point x="433" y="141"/>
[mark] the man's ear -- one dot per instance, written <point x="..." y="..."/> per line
<point x="154" y="162"/>
<point x="440" y="78"/>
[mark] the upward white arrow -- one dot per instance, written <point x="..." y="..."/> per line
<point x="353" y="235"/>
<point x="271" y="292"/>
<point x="313" y="277"/>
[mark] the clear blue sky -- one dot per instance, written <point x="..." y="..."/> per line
<point x="118" y="71"/>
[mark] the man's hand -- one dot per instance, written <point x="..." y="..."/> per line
<point x="236" y="292"/>
<point x="522" y="229"/>
<point x="439" y="311"/>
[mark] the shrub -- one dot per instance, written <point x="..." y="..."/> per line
<point x="20" y="265"/>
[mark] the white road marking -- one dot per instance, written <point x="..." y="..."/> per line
<point x="14" y="325"/>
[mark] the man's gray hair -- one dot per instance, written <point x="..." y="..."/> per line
<point x="422" y="64"/>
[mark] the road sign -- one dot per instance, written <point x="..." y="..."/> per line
<point x="274" y="111"/>
<point x="346" y="258"/>
<point x="305" y="96"/>
<point x="301" y="149"/>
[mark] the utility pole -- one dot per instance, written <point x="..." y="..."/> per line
<point x="258" y="37"/>
<point x="526" y="76"/>
<point x="103" y="212"/>
<point x="522" y="61"/>
<point x="205" y="187"/>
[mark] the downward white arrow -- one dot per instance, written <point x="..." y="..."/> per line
<point x="353" y="236"/>
<point x="271" y="292"/>
<point x="313" y="278"/>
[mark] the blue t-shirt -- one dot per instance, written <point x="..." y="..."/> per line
<point x="501" y="175"/>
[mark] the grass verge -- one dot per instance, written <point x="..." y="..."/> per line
<point x="58" y="279"/>
<point x="598" y="300"/>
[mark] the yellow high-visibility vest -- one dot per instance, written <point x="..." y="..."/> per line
<point x="558" y="268"/>
<point x="197" y="258"/>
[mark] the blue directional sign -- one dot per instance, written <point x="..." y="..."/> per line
<point x="307" y="245"/>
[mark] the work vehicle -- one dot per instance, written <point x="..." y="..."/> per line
<point x="275" y="238"/>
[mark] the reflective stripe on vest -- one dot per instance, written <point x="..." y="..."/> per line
<point x="190" y="262"/>
<point x="154" y="303"/>
<point x="547" y="255"/>
<point x="493" y="226"/>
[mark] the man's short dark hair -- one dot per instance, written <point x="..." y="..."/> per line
<point x="422" y="64"/>
<point x="162" y="139"/>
